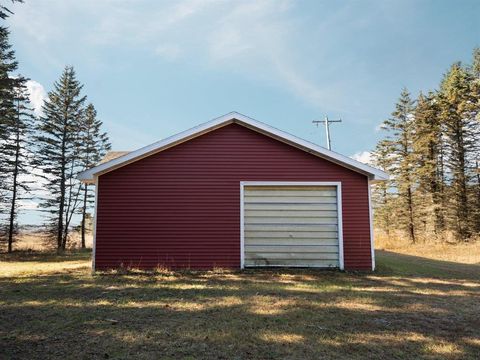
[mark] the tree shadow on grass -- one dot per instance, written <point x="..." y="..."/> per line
<point x="391" y="263"/>
<point x="264" y="314"/>
<point x="46" y="256"/>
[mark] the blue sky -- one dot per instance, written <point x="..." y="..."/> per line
<point x="154" y="68"/>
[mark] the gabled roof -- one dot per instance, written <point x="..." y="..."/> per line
<point x="237" y="118"/>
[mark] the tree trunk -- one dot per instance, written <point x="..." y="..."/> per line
<point x="462" y="213"/>
<point x="477" y="218"/>
<point x="69" y="211"/>
<point x="14" y="198"/>
<point x="439" y="220"/>
<point x="411" y="226"/>
<point x="461" y="189"/>
<point x="61" y="207"/>
<point x="14" y="188"/>
<point x="386" y="218"/>
<point x="64" y="239"/>
<point x="440" y="193"/>
<point x="60" y="218"/>
<point x="84" y="213"/>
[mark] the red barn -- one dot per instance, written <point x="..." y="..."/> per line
<point x="233" y="192"/>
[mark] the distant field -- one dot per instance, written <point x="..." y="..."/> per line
<point x="411" y="308"/>
<point x="36" y="241"/>
<point x="466" y="253"/>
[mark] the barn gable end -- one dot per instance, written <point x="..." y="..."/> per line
<point x="181" y="207"/>
<point x="232" y="118"/>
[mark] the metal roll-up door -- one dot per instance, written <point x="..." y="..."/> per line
<point x="291" y="226"/>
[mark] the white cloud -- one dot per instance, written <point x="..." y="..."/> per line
<point x="256" y="38"/>
<point x="129" y="23"/>
<point x="363" y="156"/>
<point x="37" y="95"/>
<point x="170" y="52"/>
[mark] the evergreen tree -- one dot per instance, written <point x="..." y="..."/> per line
<point x="5" y="12"/>
<point x="13" y="129"/>
<point x="8" y="65"/>
<point x="6" y="110"/>
<point x="429" y="168"/>
<point x="432" y="152"/>
<point x="475" y="73"/>
<point x="458" y="117"/>
<point x="58" y="153"/>
<point x="16" y="151"/>
<point x="93" y="146"/>
<point x="475" y="68"/>
<point x="382" y="197"/>
<point x="399" y="144"/>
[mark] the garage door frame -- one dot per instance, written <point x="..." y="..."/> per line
<point x="338" y="186"/>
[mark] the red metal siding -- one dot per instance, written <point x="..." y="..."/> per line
<point x="181" y="207"/>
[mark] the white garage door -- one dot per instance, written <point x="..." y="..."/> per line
<point x="291" y="225"/>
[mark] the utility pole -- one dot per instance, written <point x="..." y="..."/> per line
<point x="327" y="122"/>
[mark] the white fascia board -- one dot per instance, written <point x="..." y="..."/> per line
<point x="233" y="117"/>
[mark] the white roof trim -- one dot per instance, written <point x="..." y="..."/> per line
<point x="232" y="117"/>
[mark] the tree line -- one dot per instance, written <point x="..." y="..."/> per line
<point x="431" y="150"/>
<point x="50" y="149"/>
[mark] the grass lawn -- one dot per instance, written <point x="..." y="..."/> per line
<point x="52" y="307"/>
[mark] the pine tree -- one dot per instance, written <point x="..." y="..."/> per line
<point x="428" y="150"/>
<point x="433" y="151"/>
<point x="458" y="118"/>
<point x="13" y="129"/>
<point x="58" y="153"/>
<point x="475" y="91"/>
<point x="8" y="65"/>
<point x="475" y="68"/>
<point x="93" y="146"/>
<point x="17" y="156"/>
<point x="382" y="197"/>
<point x="399" y="144"/>
<point x="5" y="12"/>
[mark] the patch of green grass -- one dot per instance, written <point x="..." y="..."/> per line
<point x="52" y="307"/>
<point x="407" y="265"/>
<point x="44" y="256"/>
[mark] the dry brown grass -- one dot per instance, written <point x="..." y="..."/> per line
<point x="466" y="253"/>
<point x="52" y="307"/>
<point x="37" y="241"/>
